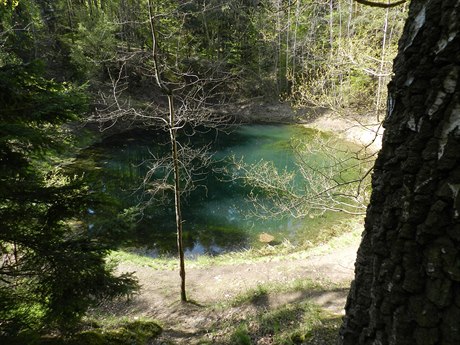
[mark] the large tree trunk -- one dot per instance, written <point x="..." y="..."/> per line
<point x="407" y="283"/>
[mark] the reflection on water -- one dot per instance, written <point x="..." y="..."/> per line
<point x="217" y="216"/>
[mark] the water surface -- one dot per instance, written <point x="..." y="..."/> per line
<point x="217" y="215"/>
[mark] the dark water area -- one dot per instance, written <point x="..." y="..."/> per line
<point x="217" y="214"/>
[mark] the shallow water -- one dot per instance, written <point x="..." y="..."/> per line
<point x="217" y="215"/>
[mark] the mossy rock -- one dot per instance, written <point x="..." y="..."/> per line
<point x="88" y="338"/>
<point x="146" y="328"/>
<point x="133" y="333"/>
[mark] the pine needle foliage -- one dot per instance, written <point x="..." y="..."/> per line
<point x="52" y="268"/>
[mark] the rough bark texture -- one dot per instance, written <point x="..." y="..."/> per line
<point x="407" y="274"/>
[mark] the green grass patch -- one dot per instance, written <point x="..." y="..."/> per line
<point x="299" y="323"/>
<point x="139" y="332"/>
<point x="240" y="336"/>
<point x="262" y="291"/>
<point x="137" y="258"/>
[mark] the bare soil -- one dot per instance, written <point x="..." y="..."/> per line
<point x="367" y="132"/>
<point x="363" y="130"/>
<point x="214" y="285"/>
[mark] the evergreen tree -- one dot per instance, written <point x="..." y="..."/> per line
<point x="52" y="269"/>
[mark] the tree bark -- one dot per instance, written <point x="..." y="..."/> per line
<point x="407" y="274"/>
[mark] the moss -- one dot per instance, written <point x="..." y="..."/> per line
<point x="241" y="336"/>
<point x="88" y="338"/>
<point x="297" y="337"/>
<point x="146" y="329"/>
<point x="133" y="333"/>
<point x="139" y="332"/>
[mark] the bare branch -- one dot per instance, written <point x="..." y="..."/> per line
<point x="380" y="4"/>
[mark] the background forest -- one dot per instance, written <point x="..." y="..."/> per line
<point x="334" y="54"/>
<point x="63" y="62"/>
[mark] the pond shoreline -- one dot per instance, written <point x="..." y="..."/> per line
<point x="365" y="131"/>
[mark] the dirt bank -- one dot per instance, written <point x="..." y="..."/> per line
<point x="366" y="131"/>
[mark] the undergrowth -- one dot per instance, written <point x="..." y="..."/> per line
<point x="294" y="323"/>
<point x="139" y="332"/>
<point x="258" y="321"/>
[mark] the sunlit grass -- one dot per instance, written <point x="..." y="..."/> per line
<point x="259" y="315"/>
<point x="135" y="257"/>
<point x="262" y="291"/>
<point x="299" y="323"/>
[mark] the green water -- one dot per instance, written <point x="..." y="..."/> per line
<point x="217" y="215"/>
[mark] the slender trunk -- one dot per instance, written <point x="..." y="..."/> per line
<point x="15" y="254"/>
<point x="331" y="28"/>
<point x="288" y="29"/>
<point x="331" y="54"/>
<point x="338" y="56"/>
<point x="294" y="44"/>
<point x="381" y="66"/>
<point x="177" y="197"/>
<point x="174" y="153"/>
<point x="211" y="49"/>
<point x="70" y="13"/>
<point x="350" y="17"/>
<point x="279" y="51"/>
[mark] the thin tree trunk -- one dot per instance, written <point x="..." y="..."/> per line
<point x="206" y="29"/>
<point x="279" y="51"/>
<point x="382" y="64"/>
<point x="15" y="254"/>
<point x="174" y="153"/>
<point x="70" y="14"/>
<point x="177" y="196"/>
<point x="288" y="29"/>
<point x="294" y="45"/>
<point x="331" y="28"/>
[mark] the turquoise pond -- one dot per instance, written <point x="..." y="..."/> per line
<point x="218" y="216"/>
